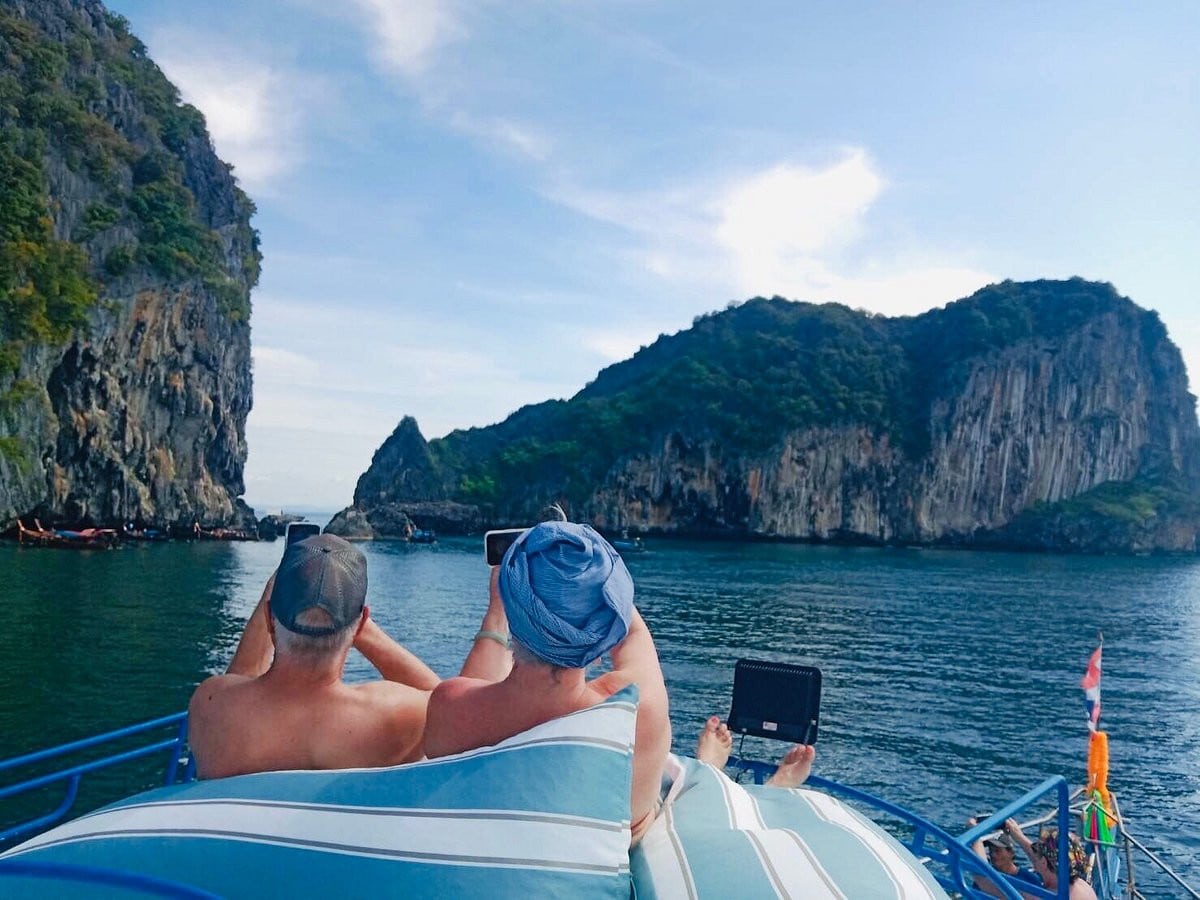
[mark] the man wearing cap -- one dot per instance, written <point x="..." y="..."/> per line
<point x="282" y="703"/>
<point x="567" y="598"/>
<point x="1000" y="852"/>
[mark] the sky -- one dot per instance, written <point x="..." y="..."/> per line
<point x="470" y="207"/>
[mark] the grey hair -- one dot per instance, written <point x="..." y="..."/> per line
<point x="554" y="513"/>
<point x="309" y="647"/>
<point x="522" y="655"/>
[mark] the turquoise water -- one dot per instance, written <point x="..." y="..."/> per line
<point x="950" y="679"/>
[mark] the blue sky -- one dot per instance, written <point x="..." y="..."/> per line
<point x="465" y="208"/>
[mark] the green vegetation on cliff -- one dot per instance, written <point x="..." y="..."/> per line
<point x="57" y="105"/>
<point x="1118" y="516"/>
<point x="90" y="105"/>
<point x="743" y="378"/>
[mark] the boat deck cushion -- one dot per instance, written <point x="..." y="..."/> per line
<point x="544" y="813"/>
<point x="716" y="838"/>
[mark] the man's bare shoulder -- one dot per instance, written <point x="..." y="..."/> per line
<point x="455" y="689"/>
<point x="387" y="693"/>
<point x="212" y="687"/>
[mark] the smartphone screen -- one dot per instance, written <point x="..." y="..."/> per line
<point x="495" y="543"/>
<point x="298" y="531"/>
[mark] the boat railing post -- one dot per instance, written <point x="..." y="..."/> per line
<point x="177" y="752"/>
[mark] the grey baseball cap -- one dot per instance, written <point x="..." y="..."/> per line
<point x="1001" y="840"/>
<point x="325" y="572"/>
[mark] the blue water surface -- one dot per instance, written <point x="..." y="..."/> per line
<point x="951" y="679"/>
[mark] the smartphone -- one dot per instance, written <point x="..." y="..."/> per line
<point x="298" y="531"/>
<point x="495" y="543"/>
<point x="776" y="700"/>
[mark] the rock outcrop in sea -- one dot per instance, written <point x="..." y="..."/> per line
<point x="1043" y="415"/>
<point x="126" y="266"/>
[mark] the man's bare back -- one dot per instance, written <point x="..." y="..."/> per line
<point x="282" y="703"/>
<point x="242" y="724"/>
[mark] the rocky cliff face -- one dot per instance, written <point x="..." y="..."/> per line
<point x="1008" y="438"/>
<point x="1037" y="423"/>
<point x="138" y="410"/>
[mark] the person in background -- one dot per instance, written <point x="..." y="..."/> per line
<point x="282" y="703"/>
<point x="567" y="598"/>
<point x="1000" y="852"/>
<point x="1044" y="855"/>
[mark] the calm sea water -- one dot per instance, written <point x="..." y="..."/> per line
<point x="950" y="679"/>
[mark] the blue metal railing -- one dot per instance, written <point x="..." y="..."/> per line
<point x="956" y="853"/>
<point x="1056" y="785"/>
<point x="73" y="775"/>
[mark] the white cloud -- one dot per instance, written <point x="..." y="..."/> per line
<point x="274" y="362"/>
<point x="514" y="136"/>
<point x="467" y="380"/>
<point x="255" y="112"/>
<point x="613" y="346"/>
<point x="407" y="33"/>
<point x="903" y="291"/>
<point x="776" y="224"/>
<point x="788" y="229"/>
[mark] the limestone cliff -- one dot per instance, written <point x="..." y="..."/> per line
<point x="1048" y="415"/>
<point x="125" y="271"/>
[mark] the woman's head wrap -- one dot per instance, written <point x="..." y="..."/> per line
<point x="1047" y="847"/>
<point x="566" y="592"/>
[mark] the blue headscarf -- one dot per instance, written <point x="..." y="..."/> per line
<point x="567" y="593"/>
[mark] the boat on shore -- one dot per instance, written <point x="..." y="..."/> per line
<point x="140" y="534"/>
<point x="198" y="532"/>
<point x="66" y="539"/>
<point x="226" y="534"/>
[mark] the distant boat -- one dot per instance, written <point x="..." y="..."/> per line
<point x="422" y="536"/>
<point x="83" y="539"/>
<point x="130" y="532"/>
<point x="626" y="544"/>
<point x="227" y="534"/>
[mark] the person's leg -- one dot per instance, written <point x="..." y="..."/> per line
<point x="715" y="743"/>
<point x="794" y="768"/>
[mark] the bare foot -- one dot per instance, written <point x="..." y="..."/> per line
<point x="715" y="744"/>
<point x="794" y="767"/>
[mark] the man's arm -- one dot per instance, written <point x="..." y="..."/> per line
<point x="393" y="661"/>
<point x="255" y="651"/>
<point x="489" y="659"/>
<point x="636" y="658"/>
<point x="1013" y="829"/>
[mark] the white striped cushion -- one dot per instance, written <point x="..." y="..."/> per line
<point x="716" y="838"/>
<point x="545" y="813"/>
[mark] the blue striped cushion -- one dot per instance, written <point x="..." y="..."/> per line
<point x="716" y="838"/>
<point x="545" y="813"/>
